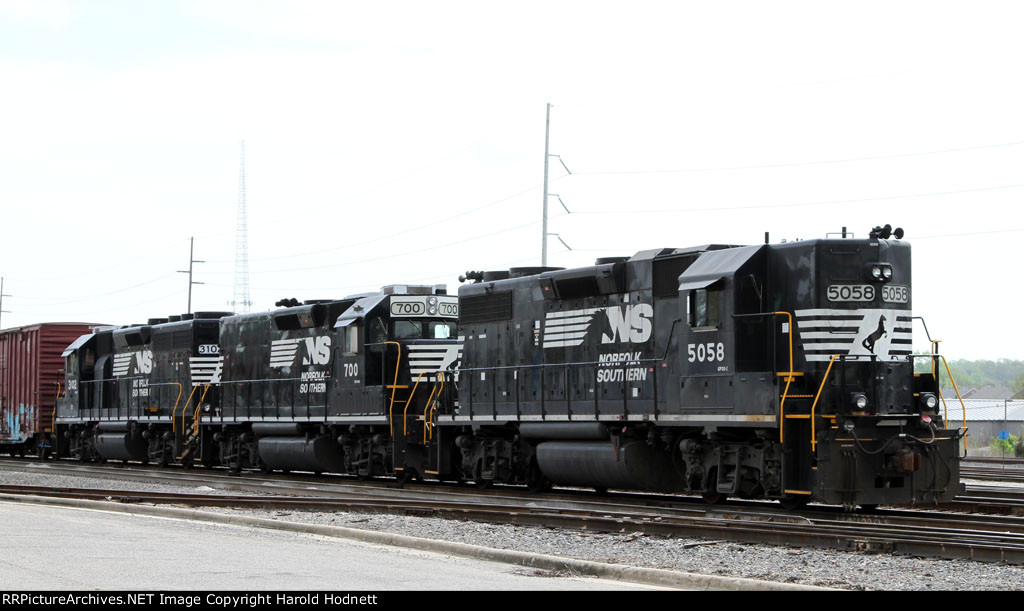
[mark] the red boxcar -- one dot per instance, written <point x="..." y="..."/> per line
<point x="31" y="368"/>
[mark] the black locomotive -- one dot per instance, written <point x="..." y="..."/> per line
<point x="779" y="371"/>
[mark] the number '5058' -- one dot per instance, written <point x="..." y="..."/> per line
<point x="706" y="353"/>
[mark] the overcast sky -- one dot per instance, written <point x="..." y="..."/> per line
<point x="403" y="142"/>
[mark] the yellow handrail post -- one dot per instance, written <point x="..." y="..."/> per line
<point x="427" y="409"/>
<point x="789" y="375"/>
<point x="824" y="380"/>
<point x="183" y="408"/>
<point x="196" y="414"/>
<point x="394" y="387"/>
<point x="405" y="412"/>
<point x="175" y="407"/>
<point x="962" y="405"/>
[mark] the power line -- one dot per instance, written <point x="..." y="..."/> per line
<point x="798" y="204"/>
<point x="392" y="235"/>
<point x="91" y="297"/>
<point x="800" y="163"/>
<point x="396" y="255"/>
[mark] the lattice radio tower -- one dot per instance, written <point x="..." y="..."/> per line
<point x="241" y="302"/>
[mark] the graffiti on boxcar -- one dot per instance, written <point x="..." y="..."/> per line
<point x="15" y="423"/>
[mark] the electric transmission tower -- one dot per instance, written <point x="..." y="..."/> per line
<point x="241" y="301"/>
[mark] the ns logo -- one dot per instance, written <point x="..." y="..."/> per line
<point x="318" y="350"/>
<point x="144" y="361"/>
<point x="631" y="323"/>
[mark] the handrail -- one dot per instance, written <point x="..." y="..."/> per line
<point x="196" y="413"/>
<point x="430" y="402"/>
<point x="952" y="381"/>
<point x="53" y="416"/>
<point x="945" y="413"/>
<point x="394" y="386"/>
<point x="183" y="408"/>
<point x="405" y="412"/>
<point x="789" y="376"/>
<point x="175" y="408"/>
<point x="824" y="380"/>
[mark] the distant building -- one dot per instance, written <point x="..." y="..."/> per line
<point x="984" y="417"/>
<point x="991" y="393"/>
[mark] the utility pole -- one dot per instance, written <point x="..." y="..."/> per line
<point x="544" y="235"/>
<point x="2" y="295"/>
<point x="191" y="260"/>
<point x="241" y="302"/>
<point x="544" y="228"/>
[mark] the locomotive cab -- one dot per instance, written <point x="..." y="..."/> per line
<point x="399" y="352"/>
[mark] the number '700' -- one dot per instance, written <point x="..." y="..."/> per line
<point x="706" y="352"/>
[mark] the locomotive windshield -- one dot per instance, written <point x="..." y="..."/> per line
<point x="417" y="329"/>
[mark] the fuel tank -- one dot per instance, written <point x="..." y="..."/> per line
<point x="121" y="446"/>
<point x="600" y="464"/>
<point x="302" y="454"/>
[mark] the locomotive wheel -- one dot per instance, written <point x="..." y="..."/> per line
<point x="408" y="474"/>
<point x="793" y="502"/>
<point x="713" y="498"/>
<point x="478" y="479"/>
<point x="264" y="467"/>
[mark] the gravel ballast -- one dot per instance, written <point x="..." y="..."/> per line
<point x="833" y="569"/>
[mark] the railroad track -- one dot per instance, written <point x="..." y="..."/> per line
<point x="921" y="533"/>
<point x="993" y="474"/>
<point x="905" y="532"/>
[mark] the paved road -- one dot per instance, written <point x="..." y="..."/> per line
<point x="59" y="548"/>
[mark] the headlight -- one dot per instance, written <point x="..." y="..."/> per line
<point x="878" y="272"/>
<point x="929" y="401"/>
<point x="860" y="400"/>
<point x="432" y="310"/>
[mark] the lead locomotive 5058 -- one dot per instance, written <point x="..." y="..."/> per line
<point x="779" y="371"/>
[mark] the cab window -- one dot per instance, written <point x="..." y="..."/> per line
<point x="705" y="308"/>
<point x="351" y="338"/>
<point x="378" y="332"/>
<point x="408" y="329"/>
<point x="440" y="330"/>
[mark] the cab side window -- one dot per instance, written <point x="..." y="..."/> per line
<point x="351" y="339"/>
<point x="705" y="308"/>
<point x="378" y="332"/>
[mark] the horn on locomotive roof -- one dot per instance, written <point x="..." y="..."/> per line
<point x="474" y="276"/>
<point x="886" y="232"/>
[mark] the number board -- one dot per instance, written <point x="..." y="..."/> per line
<point x="895" y="294"/>
<point x="851" y="292"/>
<point x="408" y="306"/>
<point x="432" y="306"/>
